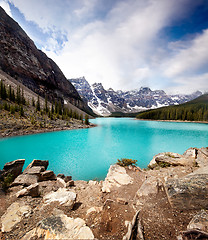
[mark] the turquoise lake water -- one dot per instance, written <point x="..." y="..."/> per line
<point x="87" y="153"/>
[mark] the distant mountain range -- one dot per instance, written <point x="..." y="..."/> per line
<point x="104" y="102"/>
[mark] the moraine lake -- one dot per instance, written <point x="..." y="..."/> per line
<point x="87" y="153"/>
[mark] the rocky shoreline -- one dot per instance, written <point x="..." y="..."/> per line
<point x="10" y="126"/>
<point x="29" y="131"/>
<point x="166" y="201"/>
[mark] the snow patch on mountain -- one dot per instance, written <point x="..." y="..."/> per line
<point x="104" y="102"/>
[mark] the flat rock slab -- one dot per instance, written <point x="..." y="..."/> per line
<point x="199" y="221"/>
<point x="190" y="192"/>
<point x="47" y="175"/>
<point x="116" y="177"/>
<point x="34" y="170"/>
<point x="14" y="215"/>
<point x="25" y="180"/>
<point x="60" y="227"/>
<point x="63" y="196"/>
<point x="39" y="163"/>
<point x="167" y="159"/>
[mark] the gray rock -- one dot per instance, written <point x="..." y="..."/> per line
<point x="68" y="178"/>
<point x="14" y="168"/>
<point x="32" y="190"/>
<point x="150" y="186"/>
<point x="60" y="175"/>
<point x="116" y="177"/>
<point x="167" y="159"/>
<point x="63" y="196"/>
<point x="70" y="183"/>
<point x="201" y="170"/>
<point x="34" y="170"/>
<point x="189" y="192"/>
<point x="191" y="153"/>
<point x="14" y="215"/>
<point x="199" y="221"/>
<point x="25" y="180"/>
<point x="38" y="163"/>
<point x="60" y="227"/>
<point x="202" y="157"/>
<point x="47" y="175"/>
<point x="173" y="159"/>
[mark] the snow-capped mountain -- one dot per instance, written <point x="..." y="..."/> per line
<point x="104" y="102"/>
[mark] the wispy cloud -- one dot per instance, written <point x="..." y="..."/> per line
<point x="188" y="60"/>
<point x="120" y="43"/>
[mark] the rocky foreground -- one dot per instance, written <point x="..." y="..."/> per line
<point x="169" y="200"/>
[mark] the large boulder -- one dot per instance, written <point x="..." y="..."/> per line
<point x="116" y="177"/>
<point x="150" y="186"/>
<point x="202" y="157"/>
<point x="14" y="215"/>
<point x="36" y="170"/>
<point x="199" y="221"/>
<point x="47" y="175"/>
<point x="191" y="153"/>
<point x="189" y="192"/>
<point x="14" y="168"/>
<point x="63" y="196"/>
<point x="168" y="159"/>
<point x="38" y="163"/>
<point x="60" y="227"/>
<point x="32" y="190"/>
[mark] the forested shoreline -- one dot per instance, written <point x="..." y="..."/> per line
<point x="196" y="110"/>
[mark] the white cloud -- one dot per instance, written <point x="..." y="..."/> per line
<point x="189" y="59"/>
<point x="112" y="51"/>
<point x="190" y="84"/>
<point x="118" y="42"/>
<point x="6" y="7"/>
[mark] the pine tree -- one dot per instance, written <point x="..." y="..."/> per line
<point x="56" y="107"/>
<point x="13" y="96"/>
<point x="21" y="110"/>
<point x="38" y="104"/>
<point x="52" y="109"/>
<point x="87" y="119"/>
<point x="59" y="108"/>
<point x="23" y="101"/>
<point x="18" y="97"/>
<point x="46" y="104"/>
<point x="10" y="93"/>
<point x="3" y="91"/>
<point x="33" y="102"/>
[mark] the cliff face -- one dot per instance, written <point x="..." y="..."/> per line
<point x="20" y="58"/>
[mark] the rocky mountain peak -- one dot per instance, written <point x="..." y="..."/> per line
<point x="145" y="90"/>
<point x="20" y="58"/>
<point x="104" y="102"/>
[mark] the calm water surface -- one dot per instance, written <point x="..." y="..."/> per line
<point x="87" y="153"/>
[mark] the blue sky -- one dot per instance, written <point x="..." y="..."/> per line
<point x="124" y="44"/>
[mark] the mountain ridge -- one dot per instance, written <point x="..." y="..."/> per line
<point x="20" y="58"/>
<point x="105" y="102"/>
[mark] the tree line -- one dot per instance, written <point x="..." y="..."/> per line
<point x="185" y="112"/>
<point x="17" y="99"/>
